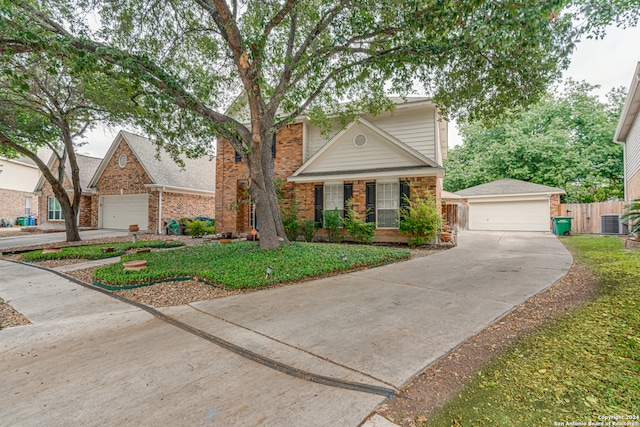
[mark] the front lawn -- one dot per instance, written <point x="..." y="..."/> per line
<point x="95" y="251"/>
<point x="244" y="264"/>
<point x="579" y="369"/>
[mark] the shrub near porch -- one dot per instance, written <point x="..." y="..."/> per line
<point x="244" y="264"/>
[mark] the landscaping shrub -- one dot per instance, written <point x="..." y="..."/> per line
<point x="360" y="230"/>
<point x="421" y="219"/>
<point x="196" y="227"/>
<point x="332" y="222"/>
<point x="633" y="215"/>
<point x="308" y="229"/>
<point x="289" y="210"/>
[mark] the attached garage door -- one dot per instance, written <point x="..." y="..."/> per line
<point x="525" y="215"/>
<point x="119" y="212"/>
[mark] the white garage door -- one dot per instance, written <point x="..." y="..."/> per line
<point x="119" y="212"/>
<point x="529" y="215"/>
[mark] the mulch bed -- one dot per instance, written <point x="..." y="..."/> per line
<point x="10" y="317"/>
<point x="443" y="380"/>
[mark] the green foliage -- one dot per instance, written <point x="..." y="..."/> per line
<point x="421" y="219"/>
<point x="243" y="264"/>
<point x="360" y="230"/>
<point x="308" y="229"/>
<point x="332" y="223"/>
<point x="95" y="251"/>
<point x="579" y="368"/>
<point x="562" y="141"/>
<point x="196" y="227"/>
<point x="633" y="215"/>
<point x="289" y="210"/>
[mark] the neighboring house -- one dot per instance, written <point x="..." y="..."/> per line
<point x="374" y="161"/>
<point x="50" y="214"/>
<point x="511" y="205"/>
<point x="136" y="184"/>
<point x="628" y="134"/>
<point x="18" y="178"/>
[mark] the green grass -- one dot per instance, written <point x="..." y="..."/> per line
<point x="244" y="264"/>
<point x="95" y="251"/>
<point x="581" y="367"/>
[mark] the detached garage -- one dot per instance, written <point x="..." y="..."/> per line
<point x="511" y="205"/>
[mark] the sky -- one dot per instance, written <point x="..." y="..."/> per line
<point x="609" y="62"/>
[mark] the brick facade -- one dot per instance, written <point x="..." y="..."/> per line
<point x="43" y="197"/>
<point x="633" y="187"/>
<point x="132" y="179"/>
<point x="13" y="203"/>
<point x="232" y="210"/>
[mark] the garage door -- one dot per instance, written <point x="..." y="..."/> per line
<point x="529" y="215"/>
<point x="119" y="212"/>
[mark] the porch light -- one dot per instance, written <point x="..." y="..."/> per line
<point x="269" y="270"/>
<point x="344" y="257"/>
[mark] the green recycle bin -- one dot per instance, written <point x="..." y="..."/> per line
<point x="562" y="225"/>
<point x="23" y="221"/>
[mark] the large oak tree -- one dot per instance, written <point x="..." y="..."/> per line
<point x="282" y="58"/>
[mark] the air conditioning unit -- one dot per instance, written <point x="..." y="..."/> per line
<point x="611" y="224"/>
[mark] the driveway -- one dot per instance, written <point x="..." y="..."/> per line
<point x="59" y="236"/>
<point x="89" y="359"/>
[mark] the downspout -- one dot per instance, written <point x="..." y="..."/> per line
<point x="159" y="211"/>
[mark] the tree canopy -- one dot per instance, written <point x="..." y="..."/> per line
<point x="564" y="140"/>
<point x="283" y="58"/>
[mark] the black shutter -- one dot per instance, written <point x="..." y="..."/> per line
<point x="405" y="193"/>
<point x="348" y="194"/>
<point x="318" y="192"/>
<point x="371" y="201"/>
<point x="273" y="147"/>
<point x="238" y="159"/>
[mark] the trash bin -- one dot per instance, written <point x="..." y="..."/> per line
<point x="562" y="225"/>
<point x="32" y="220"/>
<point x="23" y="221"/>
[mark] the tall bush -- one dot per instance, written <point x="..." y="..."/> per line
<point x="421" y="219"/>
<point x="360" y="230"/>
<point x="332" y="225"/>
<point x="633" y="215"/>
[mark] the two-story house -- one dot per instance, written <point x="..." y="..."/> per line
<point x="375" y="161"/>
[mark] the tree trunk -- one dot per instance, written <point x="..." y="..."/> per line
<point x="263" y="191"/>
<point x="70" y="223"/>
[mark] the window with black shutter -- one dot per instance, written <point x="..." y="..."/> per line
<point x="405" y="193"/>
<point x="370" y="196"/>
<point x="238" y="159"/>
<point x="348" y="195"/>
<point x="318" y="193"/>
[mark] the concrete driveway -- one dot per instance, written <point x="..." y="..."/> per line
<point x="88" y="359"/>
<point x="59" y="236"/>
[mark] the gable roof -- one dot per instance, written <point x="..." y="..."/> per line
<point x="508" y="186"/>
<point x="87" y="166"/>
<point x="631" y="108"/>
<point x="197" y="174"/>
<point x="399" y="157"/>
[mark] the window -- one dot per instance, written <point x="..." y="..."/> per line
<point x="27" y="205"/>
<point x="387" y="204"/>
<point x="55" y="211"/>
<point x="122" y="160"/>
<point x="334" y="197"/>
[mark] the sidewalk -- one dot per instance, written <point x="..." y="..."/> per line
<point x="100" y="361"/>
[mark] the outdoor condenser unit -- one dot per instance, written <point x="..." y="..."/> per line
<point x="611" y="224"/>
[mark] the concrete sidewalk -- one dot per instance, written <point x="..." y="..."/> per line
<point x="90" y="359"/>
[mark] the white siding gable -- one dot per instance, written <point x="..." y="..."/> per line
<point x="415" y="126"/>
<point x="378" y="152"/>
<point x="633" y="149"/>
<point x="18" y="176"/>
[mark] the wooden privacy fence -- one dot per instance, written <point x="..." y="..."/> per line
<point x="456" y="216"/>
<point x="587" y="216"/>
